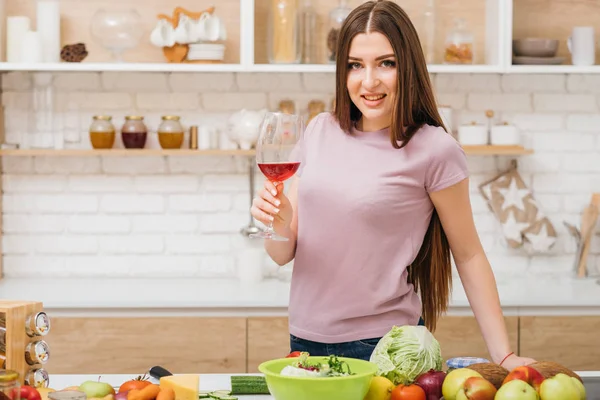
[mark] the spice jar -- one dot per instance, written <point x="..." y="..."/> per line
<point x="315" y="107"/>
<point x="459" y="44"/>
<point x="170" y="132"/>
<point x="102" y="132"/>
<point x="37" y="352"/>
<point x="134" y="132"/>
<point x="337" y="16"/>
<point x="284" y="34"/>
<point x="9" y="383"/>
<point x="37" y="378"/>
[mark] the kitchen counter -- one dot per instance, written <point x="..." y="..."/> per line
<point x="71" y="296"/>
<point x="221" y="381"/>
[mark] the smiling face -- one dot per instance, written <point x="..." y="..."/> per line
<point x="372" y="79"/>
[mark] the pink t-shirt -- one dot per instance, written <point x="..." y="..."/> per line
<point x="363" y="210"/>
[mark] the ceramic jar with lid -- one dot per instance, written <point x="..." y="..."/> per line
<point x="170" y="132"/>
<point x="102" y="132"/>
<point x="134" y="132"/>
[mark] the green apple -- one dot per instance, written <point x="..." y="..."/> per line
<point x="455" y="380"/>
<point x="517" y="390"/>
<point x="96" y="389"/>
<point x="581" y="388"/>
<point x="559" y="387"/>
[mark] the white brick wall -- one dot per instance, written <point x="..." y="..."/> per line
<point x="157" y="217"/>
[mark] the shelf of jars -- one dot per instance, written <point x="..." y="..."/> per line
<point x="484" y="150"/>
<point x="231" y="36"/>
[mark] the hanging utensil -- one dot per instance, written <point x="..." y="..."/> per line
<point x="588" y="223"/>
<point x="251" y="227"/>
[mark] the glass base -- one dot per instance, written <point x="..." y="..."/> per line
<point x="269" y="235"/>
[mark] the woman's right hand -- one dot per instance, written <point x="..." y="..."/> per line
<point x="271" y="205"/>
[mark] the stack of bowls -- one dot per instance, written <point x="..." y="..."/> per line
<point x="536" y="51"/>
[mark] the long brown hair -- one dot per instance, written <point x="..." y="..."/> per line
<point x="431" y="271"/>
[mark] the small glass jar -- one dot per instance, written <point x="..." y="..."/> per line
<point x="134" y="132"/>
<point x="9" y="385"/>
<point x="337" y="16"/>
<point x="102" y="132"/>
<point x="37" y="352"/>
<point x="37" y="377"/>
<point x="459" y="44"/>
<point x="39" y="324"/>
<point x="170" y="132"/>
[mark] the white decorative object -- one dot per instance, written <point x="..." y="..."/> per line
<point x="473" y="135"/>
<point x="504" y="135"/>
<point x="16" y="28"/>
<point x="582" y="46"/>
<point x="48" y="26"/>
<point x="250" y="262"/>
<point x="163" y="35"/>
<point x="206" y="51"/>
<point x="243" y="127"/>
<point x="117" y="30"/>
<point x="32" y="48"/>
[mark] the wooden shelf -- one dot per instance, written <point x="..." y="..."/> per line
<point x="472" y="150"/>
<point x="497" y="150"/>
<point x="123" y="152"/>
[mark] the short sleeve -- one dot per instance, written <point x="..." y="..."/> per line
<point x="301" y="150"/>
<point x="447" y="163"/>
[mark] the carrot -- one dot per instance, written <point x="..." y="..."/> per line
<point x="166" y="394"/>
<point x="148" y="393"/>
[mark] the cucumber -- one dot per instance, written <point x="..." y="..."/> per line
<point x="219" y="394"/>
<point x="203" y="394"/>
<point x="249" y="384"/>
<point x="229" y="398"/>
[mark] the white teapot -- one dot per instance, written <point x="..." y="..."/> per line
<point x="243" y="127"/>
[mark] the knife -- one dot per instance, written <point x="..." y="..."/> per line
<point x="158" y="372"/>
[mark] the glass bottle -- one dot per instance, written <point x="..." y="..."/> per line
<point x="42" y="130"/>
<point x="309" y="28"/>
<point x="459" y="44"/>
<point x="9" y="384"/>
<point x="284" y="35"/>
<point x="102" y="132"/>
<point x="134" y="132"/>
<point x="337" y="16"/>
<point x="429" y="32"/>
<point x="170" y="132"/>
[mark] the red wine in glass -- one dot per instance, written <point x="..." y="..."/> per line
<point x="278" y="154"/>
<point x="279" y="172"/>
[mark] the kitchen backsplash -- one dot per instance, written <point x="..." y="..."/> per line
<point x="181" y="216"/>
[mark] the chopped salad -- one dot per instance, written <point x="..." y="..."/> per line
<point x="303" y="367"/>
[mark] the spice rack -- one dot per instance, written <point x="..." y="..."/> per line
<point x="23" y="324"/>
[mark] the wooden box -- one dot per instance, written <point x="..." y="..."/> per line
<point x="23" y="325"/>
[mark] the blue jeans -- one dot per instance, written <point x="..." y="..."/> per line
<point x="361" y="349"/>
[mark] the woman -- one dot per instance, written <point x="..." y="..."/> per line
<point x="380" y="199"/>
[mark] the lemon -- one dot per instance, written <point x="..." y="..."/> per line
<point x="380" y="389"/>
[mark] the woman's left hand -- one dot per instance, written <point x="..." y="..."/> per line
<point x="515" y="361"/>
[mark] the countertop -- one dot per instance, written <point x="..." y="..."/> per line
<point x="209" y="381"/>
<point x="172" y="296"/>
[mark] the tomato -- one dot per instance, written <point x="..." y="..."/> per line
<point x="408" y="392"/>
<point x="293" y="354"/>
<point x="138" y="383"/>
<point x="26" y="393"/>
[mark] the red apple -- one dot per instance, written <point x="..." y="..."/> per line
<point x="476" y="388"/>
<point x="527" y="374"/>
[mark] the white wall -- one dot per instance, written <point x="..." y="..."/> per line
<point x="181" y="216"/>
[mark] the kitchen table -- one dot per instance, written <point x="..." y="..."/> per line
<point x="221" y="381"/>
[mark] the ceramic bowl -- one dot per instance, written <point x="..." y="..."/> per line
<point x="535" y="47"/>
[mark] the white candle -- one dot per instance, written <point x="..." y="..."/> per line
<point x="16" y="28"/>
<point x="31" y="48"/>
<point x="48" y="25"/>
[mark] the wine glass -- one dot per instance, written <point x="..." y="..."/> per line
<point x="278" y="154"/>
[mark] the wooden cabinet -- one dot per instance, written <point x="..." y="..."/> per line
<point x="268" y="338"/>
<point x="134" y="345"/>
<point x="569" y="340"/>
<point x="461" y="336"/>
<point x="238" y="345"/>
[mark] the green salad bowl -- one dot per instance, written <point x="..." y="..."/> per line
<point x="352" y="387"/>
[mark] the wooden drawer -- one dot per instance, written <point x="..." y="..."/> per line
<point x="461" y="337"/>
<point x="133" y="345"/>
<point x="570" y="341"/>
<point x="268" y="338"/>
